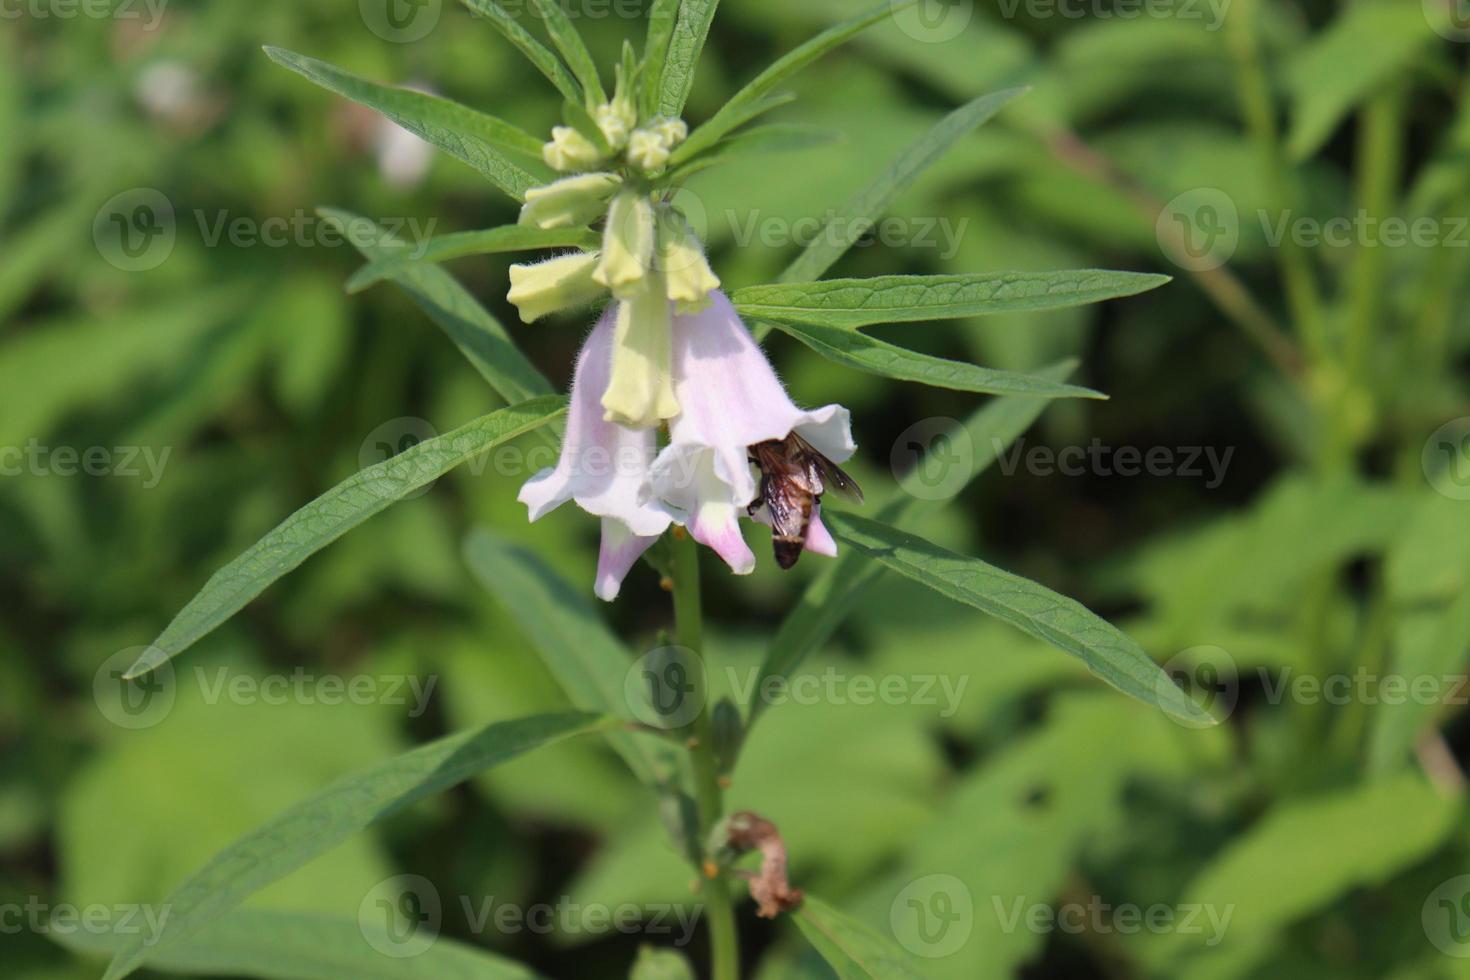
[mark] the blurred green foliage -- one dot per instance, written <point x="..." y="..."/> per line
<point x="246" y="372"/>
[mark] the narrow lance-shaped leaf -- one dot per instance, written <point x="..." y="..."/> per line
<point x="306" y="946"/>
<point x="465" y="134"/>
<point x="332" y="515"/>
<point x="850" y="220"/>
<point x="661" y="18"/>
<point x="511" y="238"/>
<point x="589" y="663"/>
<point x="564" y="35"/>
<point x="852" y="948"/>
<point x="316" y="825"/>
<point x="537" y="53"/>
<point x="478" y="335"/>
<point x="863" y="353"/>
<point x="690" y="30"/>
<point x="732" y="113"/>
<point x="855" y="303"/>
<point x="1026" y="605"/>
<point x="842" y="583"/>
<point x="766" y="139"/>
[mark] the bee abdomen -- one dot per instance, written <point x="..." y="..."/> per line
<point x="788" y="549"/>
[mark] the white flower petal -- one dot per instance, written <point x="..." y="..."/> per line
<point x="620" y="548"/>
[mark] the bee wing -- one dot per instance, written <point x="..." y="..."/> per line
<point x="789" y="509"/>
<point x="833" y="476"/>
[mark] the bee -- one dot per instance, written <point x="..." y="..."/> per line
<point x="793" y="478"/>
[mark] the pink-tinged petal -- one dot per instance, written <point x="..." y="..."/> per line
<point x="603" y="466"/>
<point x="714" y="526"/>
<point x="819" y="540"/>
<point x="620" y="548"/>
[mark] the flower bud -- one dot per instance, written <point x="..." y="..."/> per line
<point x="673" y="131"/>
<point x="648" y="150"/>
<point x="627" y="244"/>
<point x="570" y="202"/>
<point x="569" y="150"/>
<point x="544" y="287"/>
<point x="687" y="274"/>
<point x="616" y="119"/>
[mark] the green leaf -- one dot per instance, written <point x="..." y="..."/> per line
<point x="282" y="945"/>
<point x="661" y="964"/>
<point x="587" y="660"/>
<point x="564" y="35"/>
<point x="1289" y="863"/>
<point x="732" y="113"/>
<point x="332" y="515"/>
<point x="1364" y="47"/>
<point x="325" y="820"/>
<point x="840" y="586"/>
<point x="537" y="53"/>
<point x="661" y="18"/>
<point x="850" y="947"/>
<point x="850" y="221"/>
<point x="472" y="137"/>
<point x="511" y="238"/>
<point x="766" y="139"/>
<point x="1026" y="605"/>
<point x="853" y="303"/>
<point x="685" y="45"/>
<point x="479" y="336"/>
<point x="856" y="350"/>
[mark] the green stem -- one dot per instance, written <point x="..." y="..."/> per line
<point x="689" y="623"/>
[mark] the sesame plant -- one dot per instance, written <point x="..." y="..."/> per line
<point x="677" y="431"/>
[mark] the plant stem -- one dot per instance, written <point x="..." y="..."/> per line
<point x="689" y="624"/>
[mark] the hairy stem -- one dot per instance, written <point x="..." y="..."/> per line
<point x="689" y="624"/>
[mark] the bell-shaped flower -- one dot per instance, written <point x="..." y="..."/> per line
<point x="570" y="202"/>
<point x="688" y="279"/>
<point x="566" y="281"/>
<point x="730" y="399"/>
<point x="603" y="468"/>
<point x="640" y="392"/>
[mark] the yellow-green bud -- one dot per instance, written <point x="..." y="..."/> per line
<point x="687" y="275"/>
<point x="648" y="150"/>
<point x="569" y="150"/>
<point x="616" y="119"/>
<point x="640" y="390"/>
<point x="557" y="284"/>
<point x="627" y="244"/>
<point x="570" y="202"/>
<point x="673" y="131"/>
